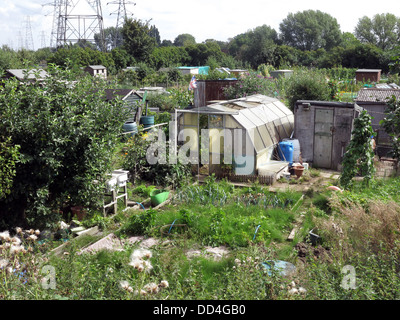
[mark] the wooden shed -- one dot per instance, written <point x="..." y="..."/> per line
<point x="324" y="131"/>
<point x="209" y="91"/>
<point x="372" y="75"/>
<point x="374" y="100"/>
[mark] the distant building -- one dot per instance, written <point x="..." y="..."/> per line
<point x="97" y="71"/>
<point x="372" y="75"/>
<point x="194" y="70"/>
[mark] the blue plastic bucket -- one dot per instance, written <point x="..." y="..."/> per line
<point x="285" y="151"/>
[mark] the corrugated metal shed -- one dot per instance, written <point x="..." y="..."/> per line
<point x="374" y="100"/>
<point x="324" y="129"/>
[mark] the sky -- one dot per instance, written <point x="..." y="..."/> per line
<point x="21" y="20"/>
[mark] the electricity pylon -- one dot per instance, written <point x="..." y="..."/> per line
<point x="122" y="15"/>
<point x="72" y="25"/>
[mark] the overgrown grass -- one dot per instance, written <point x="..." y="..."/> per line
<point x="359" y="231"/>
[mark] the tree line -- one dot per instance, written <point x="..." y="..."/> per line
<point x="309" y="38"/>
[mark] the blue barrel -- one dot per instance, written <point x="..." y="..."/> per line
<point x="285" y="151"/>
<point x="147" y="122"/>
<point x="296" y="149"/>
<point x="130" y="126"/>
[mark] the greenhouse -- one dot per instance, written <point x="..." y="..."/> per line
<point x="241" y="133"/>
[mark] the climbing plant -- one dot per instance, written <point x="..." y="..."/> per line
<point x="391" y="124"/>
<point x="359" y="156"/>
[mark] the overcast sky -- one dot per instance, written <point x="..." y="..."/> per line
<point x="205" y="19"/>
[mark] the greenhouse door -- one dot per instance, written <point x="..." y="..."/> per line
<point x="323" y="126"/>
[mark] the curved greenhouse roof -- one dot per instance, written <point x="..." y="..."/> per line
<point x="267" y="119"/>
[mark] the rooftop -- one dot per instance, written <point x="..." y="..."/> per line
<point x="377" y="94"/>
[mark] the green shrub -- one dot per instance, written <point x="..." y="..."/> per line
<point x="307" y="85"/>
<point x="67" y="137"/>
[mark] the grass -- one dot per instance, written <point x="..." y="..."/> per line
<point x="359" y="228"/>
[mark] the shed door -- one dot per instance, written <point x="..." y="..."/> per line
<point x="323" y="138"/>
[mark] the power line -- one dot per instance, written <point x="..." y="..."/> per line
<point x="122" y="14"/>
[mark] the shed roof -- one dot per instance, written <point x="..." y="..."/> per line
<point x="377" y="95"/>
<point x="96" y="67"/>
<point x="33" y="74"/>
<point x="369" y="70"/>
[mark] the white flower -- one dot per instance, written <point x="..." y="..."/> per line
<point x="293" y="291"/>
<point x="3" y="263"/>
<point x="147" y="266"/>
<point x="16" y="240"/>
<point x="16" y="249"/>
<point x="32" y="237"/>
<point x="136" y="263"/>
<point x="164" y="284"/>
<point x="302" y="290"/>
<point x="5" y="236"/>
<point x="124" y="284"/>
<point x="143" y="293"/>
<point x="18" y="230"/>
<point x="140" y="253"/>
<point x="151" y="287"/>
<point x="237" y="261"/>
<point x="37" y="232"/>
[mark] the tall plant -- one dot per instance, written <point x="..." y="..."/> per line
<point x="359" y="156"/>
<point x="67" y="135"/>
<point x="391" y="124"/>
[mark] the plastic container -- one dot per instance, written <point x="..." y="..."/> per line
<point x="284" y="268"/>
<point x="285" y="151"/>
<point x="130" y="126"/>
<point x="147" y="122"/>
<point x="296" y="149"/>
<point x="158" y="196"/>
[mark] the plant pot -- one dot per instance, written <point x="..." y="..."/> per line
<point x="314" y="238"/>
<point x="79" y="212"/>
<point x="158" y="196"/>
<point x="298" y="171"/>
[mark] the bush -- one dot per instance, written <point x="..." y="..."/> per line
<point x="67" y="137"/>
<point x="307" y="85"/>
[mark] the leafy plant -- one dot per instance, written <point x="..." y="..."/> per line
<point x="359" y="156"/>
<point x="67" y="137"/>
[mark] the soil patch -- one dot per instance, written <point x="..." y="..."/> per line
<point x="306" y="251"/>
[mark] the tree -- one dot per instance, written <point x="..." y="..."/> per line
<point x="66" y="135"/>
<point x="383" y="30"/>
<point x="154" y="33"/>
<point x="310" y="30"/>
<point x="184" y="39"/>
<point x="168" y="56"/>
<point x="199" y="53"/>
<point x="364" y="55"/>
<point x="255" y="46"/>
<point x="137" y="39"/>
